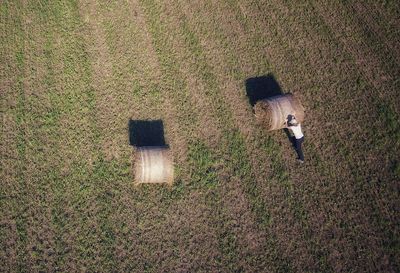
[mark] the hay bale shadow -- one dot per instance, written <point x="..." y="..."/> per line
<point x="146" y="133"/>
<point x="259" y="88"/>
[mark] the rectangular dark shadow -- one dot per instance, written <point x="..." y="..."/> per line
<point x="259" y="88"/>
<point x="146" y="133"/>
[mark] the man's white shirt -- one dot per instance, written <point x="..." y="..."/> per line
<point x="296" y="131"/>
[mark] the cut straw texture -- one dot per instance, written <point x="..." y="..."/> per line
<point x="153" y="165"/>
<point x="272" y="113"/>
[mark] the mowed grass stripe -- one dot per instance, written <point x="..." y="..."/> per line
<point x="100" y="180"/>
<point x="232" y="138"/>
<point x="222" y="115"/>
<point x="74" y="178"/>
<point x="172" y="77"/>
<point x="40" y="122"/>
<point x="13" y="189"/>
<point x="201" y="159"/>
<point x="115" y="90"/>
<point x="112" y="105"/>
<point x="41" y="134"/>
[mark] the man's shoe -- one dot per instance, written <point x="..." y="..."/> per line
<point x="301" y="161"/>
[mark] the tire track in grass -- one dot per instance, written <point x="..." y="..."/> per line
<point x="13" y="222"/>
<point x="332" y="175"/>
<point x="296" y="210"/>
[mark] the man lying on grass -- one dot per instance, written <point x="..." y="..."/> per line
<point x="295" y="127"/>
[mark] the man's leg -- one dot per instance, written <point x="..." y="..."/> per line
<point x="299" y="149"/>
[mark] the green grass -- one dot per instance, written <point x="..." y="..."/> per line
<point x="76" y="72"/>
<point x="13" y="41"/>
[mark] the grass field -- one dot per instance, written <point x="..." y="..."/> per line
<point x="75" y="74"/>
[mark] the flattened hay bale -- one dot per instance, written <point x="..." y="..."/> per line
<point x="153" y="165"/>
<point x="272" y="112"/>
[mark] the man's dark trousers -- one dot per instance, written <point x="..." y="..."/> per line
<point x="297" y="146"/>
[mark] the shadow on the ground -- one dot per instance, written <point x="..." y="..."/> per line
<point x="259" y="88"/>
<point x="146" y="133"/>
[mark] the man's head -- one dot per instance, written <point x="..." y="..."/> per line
<point x="291" y="120"/>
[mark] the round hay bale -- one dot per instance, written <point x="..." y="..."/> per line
<point x="272" y="112"/>
<point x="154" y="165"/>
